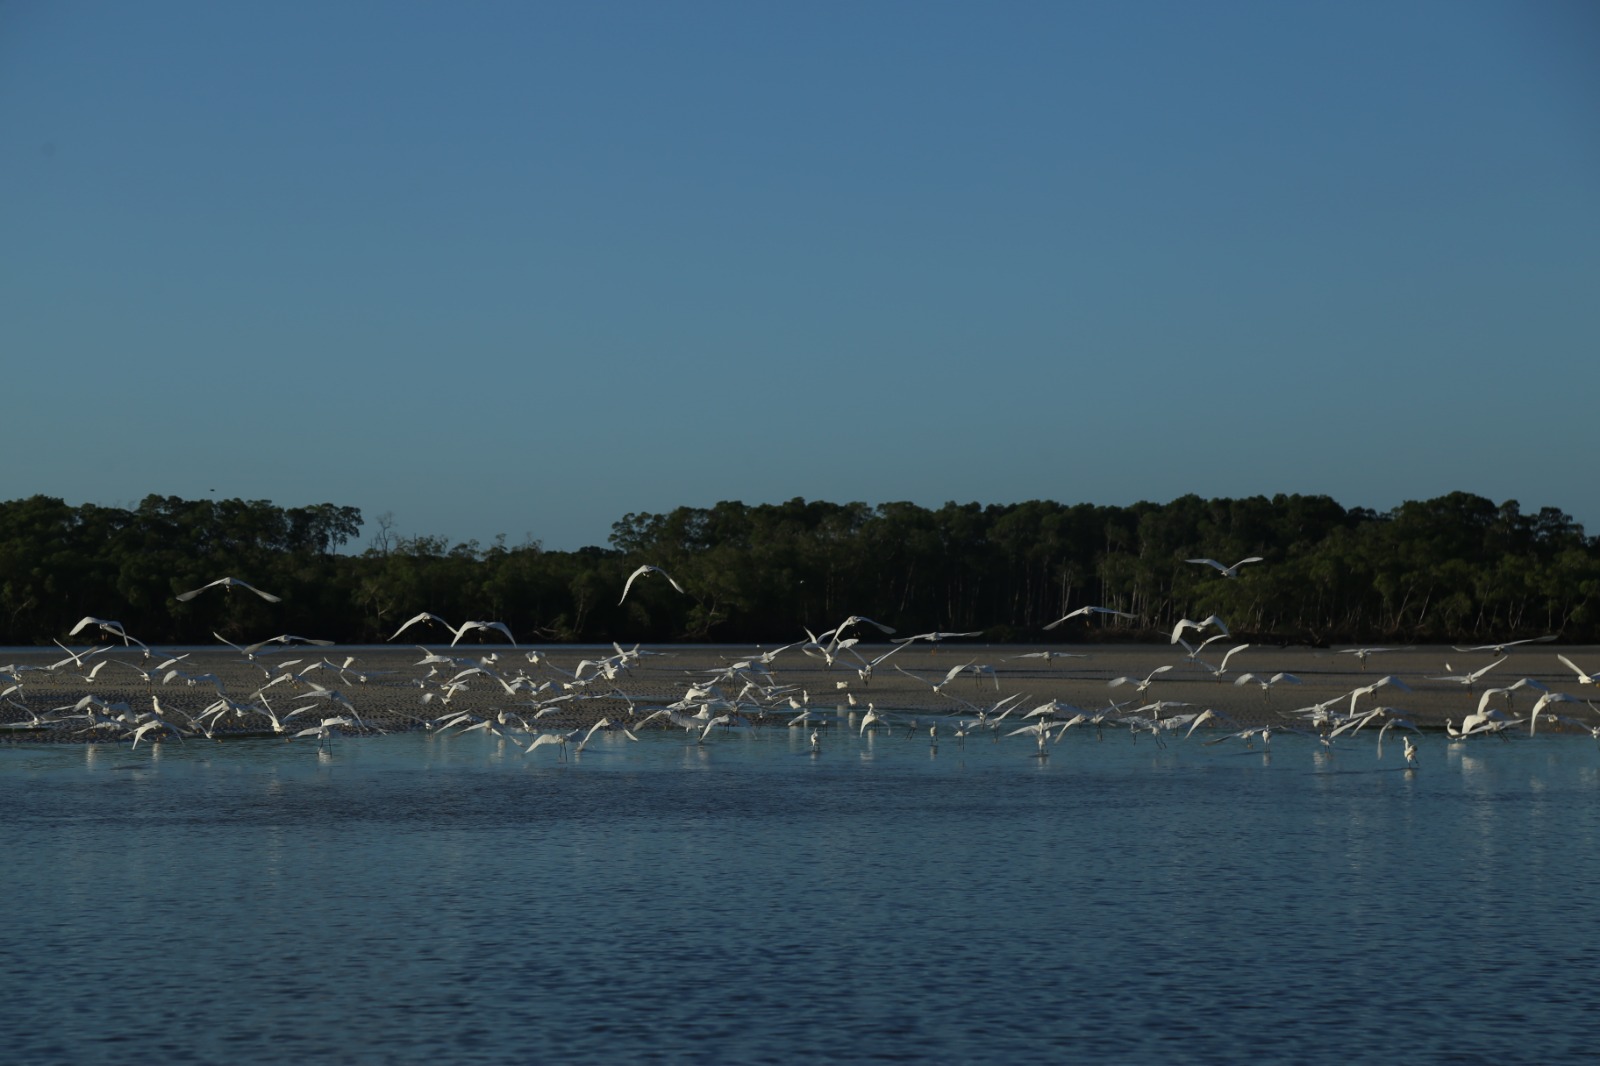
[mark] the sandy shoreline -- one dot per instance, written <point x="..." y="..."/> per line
<point x="386" y="687"/>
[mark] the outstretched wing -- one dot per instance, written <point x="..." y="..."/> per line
<point x="423" y="617"/>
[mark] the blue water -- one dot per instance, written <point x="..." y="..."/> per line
<point x="410" y="898"/>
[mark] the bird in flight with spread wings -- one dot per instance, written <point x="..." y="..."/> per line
<point x="229" y="583"/>
<point x="1227" y="571"/>
<point x="1086" y="611"/>
<point x="641" y="572"/>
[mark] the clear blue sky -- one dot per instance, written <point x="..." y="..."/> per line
<point x="523" y="268"/>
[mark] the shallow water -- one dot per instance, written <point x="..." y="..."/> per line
<point x="412" y="897"/>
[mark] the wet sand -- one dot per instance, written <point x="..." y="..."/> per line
<point x="386" y="686"/>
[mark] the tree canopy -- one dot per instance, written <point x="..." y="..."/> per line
<point x="1459" y="567"/>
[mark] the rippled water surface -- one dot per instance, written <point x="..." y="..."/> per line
<point x="407" y="897"/>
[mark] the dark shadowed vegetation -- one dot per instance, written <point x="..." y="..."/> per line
<point x="1455" y="568"/>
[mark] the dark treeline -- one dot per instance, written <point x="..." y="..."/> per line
<point x="1456" y="568"/>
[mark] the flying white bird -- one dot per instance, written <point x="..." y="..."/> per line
<point x="1468" y="679"/>
<point x="1184" y="623"/>
<point x="469" y="626"/>
<point x="1266" y="683"/>
<point x="1500" y="649"/>
<point x="837" y="633"/>
<point x="229" y="583"/>
<point x="1583" y="678"/>
<point x="1088" y="611"/>
<point x="1048" y="655"/>
<point x="114" y="628"/>
<point x="551" y="738"/>
<point x="282" y="638"/>
<point x="1543" y="702"/>
<point x="1367" y="690"/>
<point x="424" y="617"/>
<point x="1363" y="653"/>
<point x="1227" y="571"/>
<point x="1222" y="667"/>
<point x="1136" y="683"/>
<point x="1208" y="716"/>
<point x="935" y="638"/>
<point x="641" y="572"/>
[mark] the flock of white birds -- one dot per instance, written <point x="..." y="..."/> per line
<point x="283" y="687"/>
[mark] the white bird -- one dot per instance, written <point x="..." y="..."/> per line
<point x="712" y="723"/>
<point x="837" y="633"/>
<point x="152" y="724"/>
<point x="1136" y="683"/>
<point x="114" y="628"/>
<point x="326" y="729"/>
<point x="872" y="717"/>
<point x="550" y="738"/>
<point x="1367" y="690"/>
<point x="1543" y="702"/>
<point x="641" y="572"/>
<point x="1227" y="571"/>
<point x="229" y="583"/>
<point x="1266" y="683"/>
<point x="1263" y="731"/>
<point x="1185" y="623"/>
<point x="466" y="627"/>
<point x="424" y="617"/>
<point x="1192" y="651"/>
<point x="1222" y="667"/>
<point x="1583" y="678"/>
<point x="1465" y="679"/>
<point x="934" y="638"/>
<point x="604" y="723"/>
<point x="972" y="668"/>
<point x="1500" y="649"/>
<point x="77" y="659"/>
<point x="864" y="671"/>
<point x="1041" y="730"/>
<point x="1208" y="715"/>
<point x="1472" y="725"/>
<point x="1410" y="753"/>
<point x="1088" y="611"/>
<point x="282" y="638"/>
<point x="1048" y="655"/>
<point x="1362" y="653"/>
